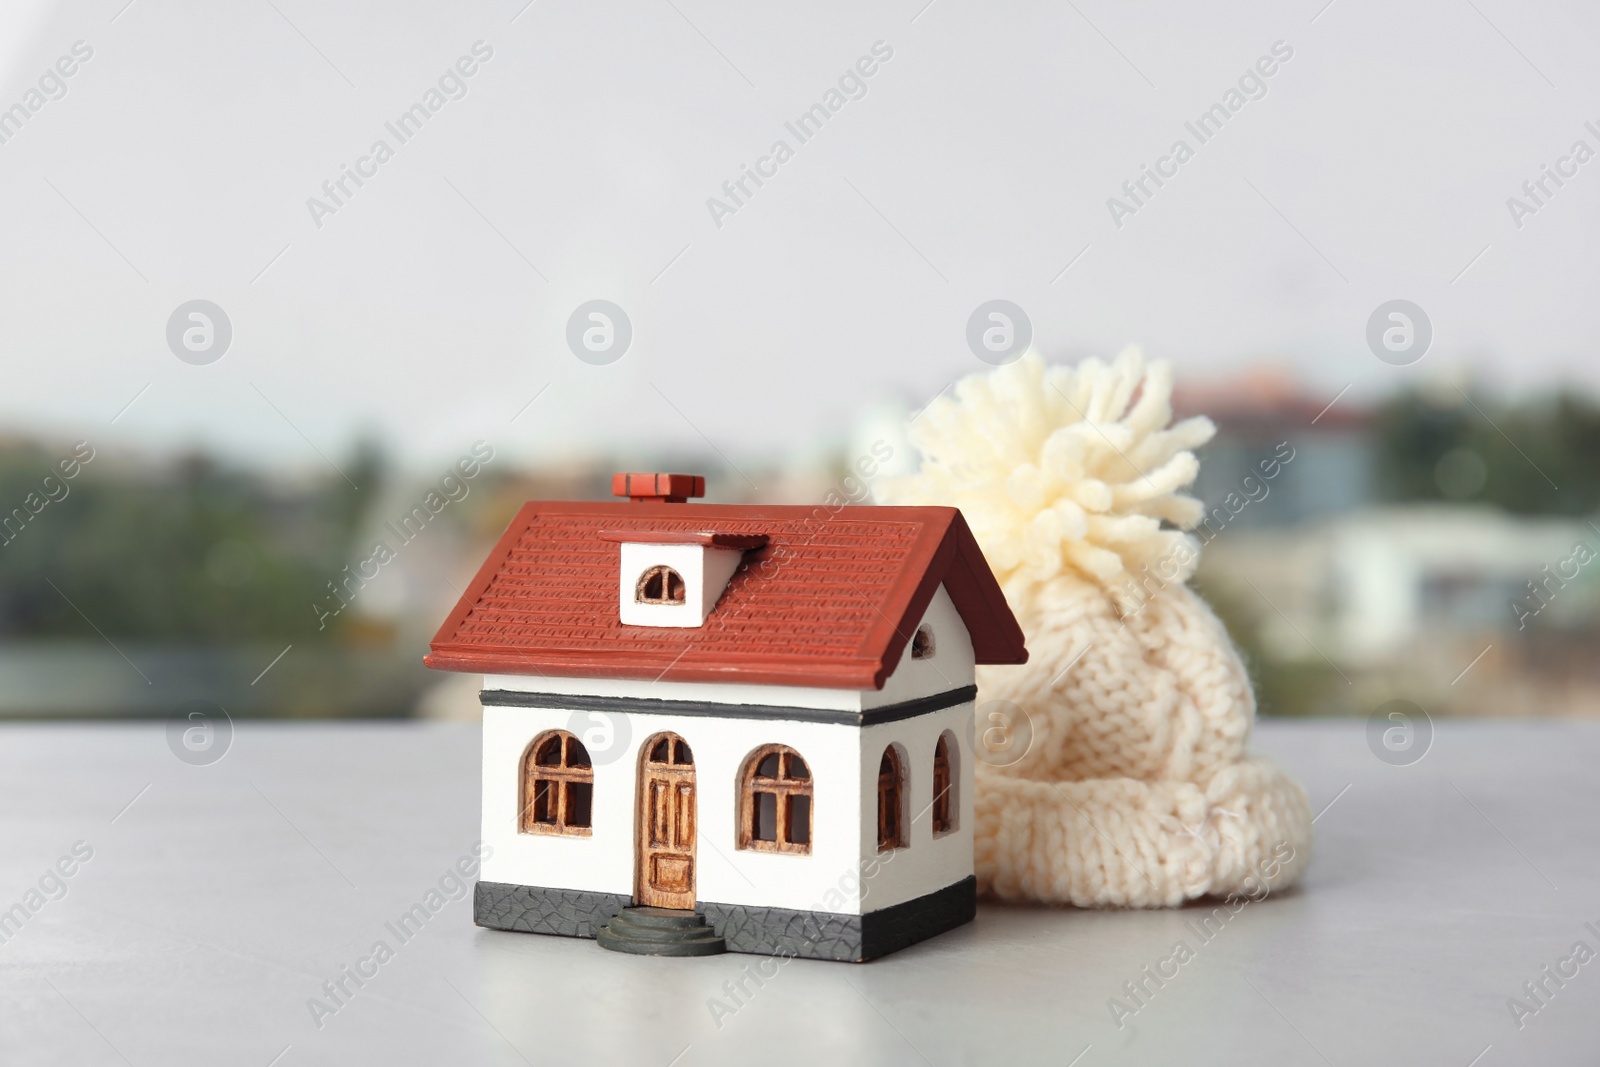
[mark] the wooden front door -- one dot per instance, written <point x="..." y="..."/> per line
<point x="664" y="873"/>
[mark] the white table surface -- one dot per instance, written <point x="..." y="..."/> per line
<point x="219" y="902"/>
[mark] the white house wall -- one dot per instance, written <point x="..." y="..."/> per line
<point x="950" y="666"/>
<point x="928" y="862"/>
<point x="844" y="873"/>
<point x="604" y="861"/>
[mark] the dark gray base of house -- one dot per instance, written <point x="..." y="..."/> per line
<point x="814" y="935"/>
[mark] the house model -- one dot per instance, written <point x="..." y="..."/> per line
<point x="717" y="727"/>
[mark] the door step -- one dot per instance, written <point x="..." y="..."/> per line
<point x="648" y="931"/>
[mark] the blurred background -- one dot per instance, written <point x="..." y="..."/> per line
<point x="183" y="499"/>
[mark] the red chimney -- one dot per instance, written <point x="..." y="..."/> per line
<point x="658" y="488"/>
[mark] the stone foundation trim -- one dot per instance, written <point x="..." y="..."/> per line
<point x="820" y="935"/>
<point x="531" y="910"/>
<point x="814" y="935"/>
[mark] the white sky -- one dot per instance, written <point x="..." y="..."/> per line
<point x="977" y="166"/>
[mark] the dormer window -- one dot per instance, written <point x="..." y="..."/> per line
<point x="922" y="643"/>
<point x="675" y="577"/>
<point x="659" y="585"/>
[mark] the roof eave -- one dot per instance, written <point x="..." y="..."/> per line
<point x="748" y="670"/>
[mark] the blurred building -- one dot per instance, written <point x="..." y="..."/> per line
<point x="1343" y="596"/>
<point x="1367" y="586"/>
<point x="1263" y="409"/>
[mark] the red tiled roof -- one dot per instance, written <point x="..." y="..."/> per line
<point x="830" y="599"/>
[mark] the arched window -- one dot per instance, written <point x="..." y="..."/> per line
<point x="775" y="801"/>
<point x="557" y="786"/>
<point x="670" y="750"/>
<point x="891" y="801"/>
<point x="659" y="585"/>
<point x="944" y="787"/>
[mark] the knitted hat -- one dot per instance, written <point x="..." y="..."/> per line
<point x="1135" y="787"/>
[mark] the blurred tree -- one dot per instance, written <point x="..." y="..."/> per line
<point x="1534" y="457"/>
<point x="191" y="551"/>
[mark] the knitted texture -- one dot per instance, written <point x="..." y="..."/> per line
<point x="1136" y="789"/>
